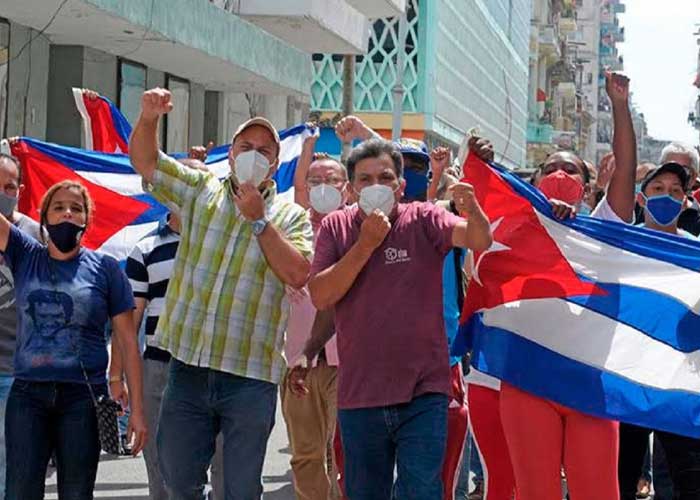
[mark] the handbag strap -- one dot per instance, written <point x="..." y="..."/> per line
<point x="73" y="341"/>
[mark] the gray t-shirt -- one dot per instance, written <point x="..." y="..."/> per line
<point x="8" y="311"/>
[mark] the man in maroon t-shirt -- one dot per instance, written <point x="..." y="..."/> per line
<point x="379" y="264"/>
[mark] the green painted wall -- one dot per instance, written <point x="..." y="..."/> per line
<point x="203" y="26"/>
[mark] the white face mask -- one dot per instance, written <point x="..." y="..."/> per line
<point x="251" y="166"/>
<point x="377" y="196"/>
<point x="325" y="198"/>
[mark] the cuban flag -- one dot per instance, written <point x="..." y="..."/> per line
<point x="598" y="316"/>
<point x="124" y="213"/>
<point x="105" y="128"/>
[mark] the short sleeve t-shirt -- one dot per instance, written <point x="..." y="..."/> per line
<point x="8" y="311"/>
<point x="390" y="329"/>
<point x="63" y="307"/>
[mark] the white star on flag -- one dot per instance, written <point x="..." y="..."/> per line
<point x="495" y="247"/>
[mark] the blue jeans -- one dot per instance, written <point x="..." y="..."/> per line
<point x="411" y="436"/>
<point x="5" y="385"/>
<point x="45" y="416"/>
<point x="198" y="403"/>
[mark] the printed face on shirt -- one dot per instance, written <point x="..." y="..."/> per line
<point x="380" y="170"/>
<point x="67" y="205"/>
<point x="9" y="178"/>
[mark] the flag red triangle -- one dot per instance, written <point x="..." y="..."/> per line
<point x="113" y="211"/>
<point x="524" y="262"/>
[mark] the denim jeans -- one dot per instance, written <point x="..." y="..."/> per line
<point x="5" y="385"/>
<point x="198" y="403"/>
<point x="45" y="416"/>
<point x="411" y="436"/>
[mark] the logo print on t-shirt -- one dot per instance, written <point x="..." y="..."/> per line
<point x="7" y="294"/>
<point x="396" y="255"/>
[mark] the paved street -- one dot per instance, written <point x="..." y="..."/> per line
<point x="125" y="478"/>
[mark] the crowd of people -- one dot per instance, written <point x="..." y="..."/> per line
<point x="344" y="303"/>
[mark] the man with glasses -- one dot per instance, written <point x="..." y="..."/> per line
<point x="309" y="389"/>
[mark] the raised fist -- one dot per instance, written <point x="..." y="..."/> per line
<point x="156" y="102"/>
<point x="618" y="87"/>
<point x="351" y="128"/>
<point x="374" y="230"/>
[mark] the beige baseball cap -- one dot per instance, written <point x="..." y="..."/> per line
<point x="263" y="122"/>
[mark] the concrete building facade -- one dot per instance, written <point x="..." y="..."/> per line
<point x="567" y="44"/>
<point x="466" y="66"/>
<point x="223" y="60"/>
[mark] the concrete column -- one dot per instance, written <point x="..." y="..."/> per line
<point x="100" y="72"/>
<point x="212" y="118"/>
<point x="196" y="118"/>
<point x="27" y="84"/>
<point x="65" y="72"/>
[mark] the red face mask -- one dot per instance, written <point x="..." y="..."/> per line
<point x="562" y="186"/>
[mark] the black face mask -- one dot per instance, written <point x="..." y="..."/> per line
<point x="65" y="235"/>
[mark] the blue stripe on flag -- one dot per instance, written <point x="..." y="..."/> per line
<point x="665" y="247"/>
<point x="154" y="214"/>
<point x="657" y="315"/>
<point x="541" y="371"/>
<point x="121" y="124"/>
<point x="82" y="160"/>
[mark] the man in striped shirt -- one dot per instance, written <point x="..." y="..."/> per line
<point x="225" y="308"/>
<point x="149" y="268"/>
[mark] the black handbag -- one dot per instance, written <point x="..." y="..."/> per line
<point x="107" y="411"/>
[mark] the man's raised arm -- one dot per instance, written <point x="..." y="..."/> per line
<point x="143" y="144"/>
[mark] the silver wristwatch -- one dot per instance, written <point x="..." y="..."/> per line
<point x="260" y="225"/>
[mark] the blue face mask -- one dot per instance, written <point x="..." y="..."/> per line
<point x="584" y="209"/>
<point x="663" y="209"/>
<point x="416" y="185"/>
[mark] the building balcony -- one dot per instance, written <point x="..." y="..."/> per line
<point x="539" y="133"/>
<point x="329" y="26"/>
<point x="619" y="8"/>
<point x="379" y="8"/>
<point x="567" y="25"/>
<point x="548" y="42"/>
<point x="188" y="38"/>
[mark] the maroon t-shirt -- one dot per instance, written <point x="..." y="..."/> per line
<point x="391" y="335"/>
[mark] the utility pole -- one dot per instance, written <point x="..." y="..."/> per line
<point x="398" y="89"/>
<point x="348" y="95"/>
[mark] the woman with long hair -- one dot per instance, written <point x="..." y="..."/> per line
<point x="65" y="295"/>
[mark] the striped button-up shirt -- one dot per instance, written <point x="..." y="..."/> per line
<point x="224" y="308"/>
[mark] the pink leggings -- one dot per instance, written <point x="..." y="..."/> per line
<point x="543" y="435"/>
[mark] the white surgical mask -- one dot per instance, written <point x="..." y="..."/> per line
<point x="325" y="198"/>
<point x="251" y="166"/>
<point x="377" y="196"/>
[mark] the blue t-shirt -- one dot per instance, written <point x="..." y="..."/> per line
<point x="451" y="311"/>
<point x="62" y="308"/>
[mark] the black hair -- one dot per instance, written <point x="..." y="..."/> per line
<point x="584" y="169"/>
<point x="374" y="148"/>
